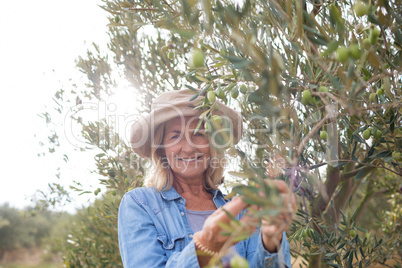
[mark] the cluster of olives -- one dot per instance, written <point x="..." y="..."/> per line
<point x="97" y="191"/>
<point x="370" y="131"/>
<point x="373" y="96"/>
<point x="168" y="52"/>
<point x="308" y="98"/>
<point x="344" y="53"/>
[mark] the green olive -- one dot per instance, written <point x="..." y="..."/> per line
<point x="352" y="233"/>
<point x="211" y="96"/>
<point x="323" y="135"/>
<point x="355" y="51"/>
<point x="380" y="91"/>
<point x="323" y="89"/>
<point x="216" y="119"/>
<point x="366" y="134"/>
<point x="374" y="34"/>
<point x="220" y="93"/>
<point x="197" y="59"/>
<point x="304" y="233"/>
<point x="243" y="89"/>
<point x="378" y="134"/>
<point x="342" y="54"/>
<point x="306" y="97"/>
<point x="360" y="9"/>
<point x="235" y="93"/>
<point x="373" y="97"/>
<point x="366" y="43"/>
<point x="238" y="262"/>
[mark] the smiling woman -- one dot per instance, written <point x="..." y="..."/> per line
<point x="176" y="221"/>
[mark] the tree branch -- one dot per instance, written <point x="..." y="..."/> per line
<point x="353" y="173"/>
<point x="310" y="134"/>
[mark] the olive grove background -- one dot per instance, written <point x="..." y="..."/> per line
<point x="318" y="84"/>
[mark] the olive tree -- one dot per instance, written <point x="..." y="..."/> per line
<point x="318" y="84"/>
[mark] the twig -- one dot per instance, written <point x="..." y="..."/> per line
<point x="365" y="164"/>
<point x="351" y="174"/>
<point x="164" y="1"/>
<point x="311" y="133"/>
<point x="144" y="9"/>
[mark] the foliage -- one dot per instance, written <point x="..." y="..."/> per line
<point x="294" y="69"/>
<point x="24" y="228"/>
<point x="93" y="237"/>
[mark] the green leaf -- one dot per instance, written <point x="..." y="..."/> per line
<point x="239" y="175"/>
<point x="341" y="163"/>
<point x="331" y="47"/>
<point x="360" y="174"/>
<point x="367" y="73"/>
<point x="350" y="260"/>
<point x="341" y="246"/>
<point x="184" y="33"/>
<point x="357" y="138"/>
<point x="333" y="264"/>
<point x="225" y="226"/>
<point x="381" y="154"/>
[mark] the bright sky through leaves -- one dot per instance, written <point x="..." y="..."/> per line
<point x="40" y="41"/>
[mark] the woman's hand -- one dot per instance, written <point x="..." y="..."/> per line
<point x="273" y="227"/>
<point x="211" y="238"/>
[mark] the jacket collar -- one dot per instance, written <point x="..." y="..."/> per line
<point x="172" y="194"/>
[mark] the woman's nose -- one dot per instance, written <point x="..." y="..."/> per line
<point x="187" y="145"/>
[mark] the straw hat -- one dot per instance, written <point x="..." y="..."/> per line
<point x="174" y="104"/>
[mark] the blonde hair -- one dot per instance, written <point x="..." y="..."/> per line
<point x="161" y="177"/>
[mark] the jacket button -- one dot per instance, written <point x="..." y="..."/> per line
<point x="181" y="201"/>
<point x="182" y="213"/>
<point x="191" y="236"/>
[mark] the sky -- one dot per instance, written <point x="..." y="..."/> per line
<point x="41" y="39"/>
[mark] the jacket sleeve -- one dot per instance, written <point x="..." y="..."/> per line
<point x="138" y="243"/>
<point x="258" y="256"/>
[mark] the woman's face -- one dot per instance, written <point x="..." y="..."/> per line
<point x="188" y="154"/>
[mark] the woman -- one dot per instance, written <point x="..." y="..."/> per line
<point x="174" y="221"/>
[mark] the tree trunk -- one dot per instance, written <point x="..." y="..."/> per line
<point x="321" y="202"/>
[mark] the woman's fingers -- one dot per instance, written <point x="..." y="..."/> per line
<point x="280" y="185"/>
<point x="288" y="197"/>
<point x="234" y="207"/>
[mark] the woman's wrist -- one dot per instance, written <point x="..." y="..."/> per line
<point x="202" y="244"/>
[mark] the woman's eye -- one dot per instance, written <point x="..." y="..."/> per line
<point x="174" y="137"/>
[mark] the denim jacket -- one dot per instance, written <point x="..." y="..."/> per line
<point x="154" y="232"/>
